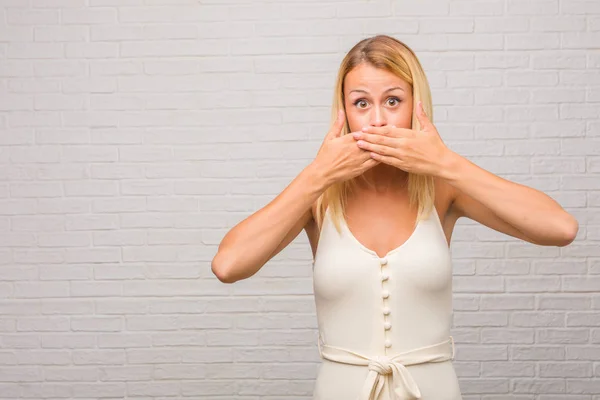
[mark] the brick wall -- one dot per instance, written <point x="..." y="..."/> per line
<point x="136" y="133"/>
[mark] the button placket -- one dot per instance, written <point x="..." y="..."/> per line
<point x="385" y="294"/>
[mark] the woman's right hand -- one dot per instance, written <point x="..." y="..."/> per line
<point x="339" y="158"/>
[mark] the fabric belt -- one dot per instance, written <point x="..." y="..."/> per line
<point x="402" y="385"/>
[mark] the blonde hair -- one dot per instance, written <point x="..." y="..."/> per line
<point x="388" y="53"/>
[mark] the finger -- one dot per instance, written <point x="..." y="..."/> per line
<point x="377" y="148"/>
<point x="371" y="138"/>
<point x="338" y="125"/>
<point x="393" y="161"/>
<point x="422" y="116"/>
<point x="370" y="163"/>
<point x="380" y="130"/>
<point x="391" y="131"/>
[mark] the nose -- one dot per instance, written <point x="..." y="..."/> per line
<point x="378" y="117"/>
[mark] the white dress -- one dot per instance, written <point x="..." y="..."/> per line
<point x="384" y="323"/>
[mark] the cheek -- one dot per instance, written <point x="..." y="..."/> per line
<point x="355" y="120"/>
<point x="403" y="118"/>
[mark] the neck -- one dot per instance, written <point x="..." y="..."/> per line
<point x="384" y="178"/>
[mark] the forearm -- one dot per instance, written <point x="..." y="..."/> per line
<point x="249" y="245"/>
<point x="528" y="210"/>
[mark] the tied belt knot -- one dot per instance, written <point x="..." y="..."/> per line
<point x="403" y="385"/>
<point x="381" y="364"/>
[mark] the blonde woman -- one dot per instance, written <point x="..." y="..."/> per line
<point x="379" y="203"/>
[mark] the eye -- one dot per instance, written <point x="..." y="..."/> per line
<point x="359" y="101"/>
<point x="395" y="101"/>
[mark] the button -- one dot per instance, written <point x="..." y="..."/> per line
<point x="386" y="310"/>
<point x="388" y="343"/>
<point x="383" y="260"/>
<point x="387" y="326"/>
<point x="384" y="277"/>
<point x="385" y="294"/>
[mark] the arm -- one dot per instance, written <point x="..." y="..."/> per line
<point x="254" y="241"/>
<point x="506" y="206"/>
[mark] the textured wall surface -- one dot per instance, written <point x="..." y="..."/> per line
<point x="135" y="133"/>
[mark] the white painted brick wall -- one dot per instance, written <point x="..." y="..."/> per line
<point x="136" y="133"/>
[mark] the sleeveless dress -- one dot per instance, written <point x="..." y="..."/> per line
<point x="384" y="322"/>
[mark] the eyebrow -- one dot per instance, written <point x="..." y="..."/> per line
<point x="388" y="90"/>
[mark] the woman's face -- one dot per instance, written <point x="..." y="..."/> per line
<point x="376" y="97"/>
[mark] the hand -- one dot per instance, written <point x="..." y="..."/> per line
<point x="339" y="158"/>
<point x="419" y="152"/>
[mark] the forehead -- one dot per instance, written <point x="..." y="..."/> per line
<point x="366" y="76"/>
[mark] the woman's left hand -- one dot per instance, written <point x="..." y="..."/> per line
<point x="419" y="152"/>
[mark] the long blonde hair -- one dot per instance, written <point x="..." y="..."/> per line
<point x="388" y="53"/>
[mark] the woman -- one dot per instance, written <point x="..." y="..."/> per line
<point x="383" y="283"/>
